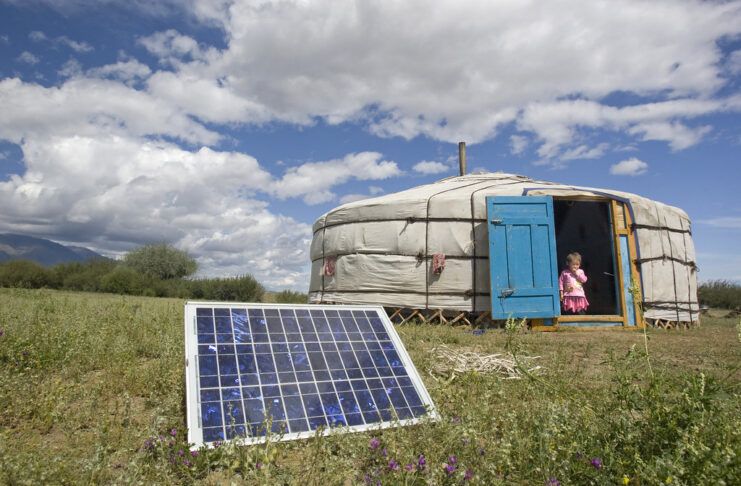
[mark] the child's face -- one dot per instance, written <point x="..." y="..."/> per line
<point x="574" y="266"/>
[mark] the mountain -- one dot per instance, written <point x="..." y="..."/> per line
<point x="44" y="252"/>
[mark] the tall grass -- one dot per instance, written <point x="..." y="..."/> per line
<point x="92" y="391"/>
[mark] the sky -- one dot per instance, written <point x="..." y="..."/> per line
<point x="226" y="127"/>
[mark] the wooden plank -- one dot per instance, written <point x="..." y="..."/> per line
<point x="618" y="261"/>
<point x="590" y="318"/>
<point x="636" y="276"/>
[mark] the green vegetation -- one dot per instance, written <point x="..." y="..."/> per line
<point x="290" y="297"/>
<point x="92" y="391"/>
<point x="152" y="270"/>
<point x="721" y="294"/>
<point x="161" y="261"/>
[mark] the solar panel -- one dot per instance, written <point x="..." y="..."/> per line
<point x="254" y="369"/>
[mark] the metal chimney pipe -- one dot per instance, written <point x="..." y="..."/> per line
<point x="462" y="157"/>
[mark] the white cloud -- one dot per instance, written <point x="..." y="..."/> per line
<point x="375" y="190"/>
<point x="27" y="58"/>
<point x="313" y="180"/>
<point x="677" y="134"/>
<point x="727" y="222"/>
<point x="129" y="70"/>
<point x="4" y="39"/>
<point x="629" y="167"/>
<point x="585" y="152"/>
<point x="430" y="167"/>
<point x="517" y="144"/>
<point x="734" y="62"/>
<point x="79" y="47"/>
<point x="37" y="36"/>
<point x="88" y="107"/>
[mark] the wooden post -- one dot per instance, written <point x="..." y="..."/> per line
<point x="462" y="157"/>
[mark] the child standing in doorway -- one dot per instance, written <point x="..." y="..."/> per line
<point x="573" y="299"/>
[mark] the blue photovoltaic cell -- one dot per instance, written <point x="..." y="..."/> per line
<point x="298" y="369"/>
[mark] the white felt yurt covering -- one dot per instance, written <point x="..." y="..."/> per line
<point x="382" y="247"/>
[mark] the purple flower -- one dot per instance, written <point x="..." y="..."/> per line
<point x="421" y="462"/>
<point x="384" y="452"/>
<point x="148" y="444"/>
<point x="596" y="462"/>
<point x="450" y="468"/>
<point x="452" y="460"/>
<point x="374" y="443"/>
<point x="258" y="465"/>
<point x="552" y="482"/>
<point x="409" y="467"/>
<point x="181" y="453"/>
<point x="186" y="463"/>
<point x="469" y="475"/>
<point x="194" y="453"/>
<point x="393" y="465"/>
<point x="174" y="432"/>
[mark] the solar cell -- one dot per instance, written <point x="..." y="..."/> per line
<point x="293" y="369"/>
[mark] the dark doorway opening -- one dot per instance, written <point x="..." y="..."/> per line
<point x="584" y="227"/>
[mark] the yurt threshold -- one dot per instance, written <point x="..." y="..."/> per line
<point x="598" y="228"/>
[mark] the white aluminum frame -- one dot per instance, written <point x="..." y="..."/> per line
<point x="192" y="386"/>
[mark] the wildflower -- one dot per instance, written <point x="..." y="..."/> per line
<point x="258" y="465"/>
<point x="174" y="432"/>
<point x="148" y="445"/>
<point x="409" y="467"/>
<point x="186" y="463"/>
<point x="469" y="475"/>
<point x="452" y="459"/>
<point x="552" y="482"/>
<point x="194" y="453"/>
<point x="421" y="462"/>
<point x="450" y="468"/>
<point x="393" y="465"/>
<point x="384" y="452"/>
<point x="181" y="453"/>
<point x="596" y="462"/>
<point x="626" y="479"/>
<point x="374" y="443"/>
<point x="668" y="480"/>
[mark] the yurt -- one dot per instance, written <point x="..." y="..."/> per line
<point x="487" y="247"/>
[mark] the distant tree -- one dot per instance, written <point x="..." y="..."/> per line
<point x="291" y="297"/>
<point x="161" y="261"/>
<point x="24" y="274"/>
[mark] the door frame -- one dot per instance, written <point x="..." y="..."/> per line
<point x="621" y="224"/>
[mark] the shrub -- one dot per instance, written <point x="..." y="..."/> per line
<point x="243" y="288"/>
<point x="124" y="280"/>
<point x="720" y="293"/>
<point x="161" y="261"/>
<point x="25" y="274"/>
<point x="291" y="297"/>
<point x="84" y="276"/>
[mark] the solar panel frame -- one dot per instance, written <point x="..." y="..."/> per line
<point x="194" y="362"/>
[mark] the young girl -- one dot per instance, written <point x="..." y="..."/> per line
<point x="570" y="287"/>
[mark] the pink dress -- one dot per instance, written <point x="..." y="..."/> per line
<point x="575" y="300"/>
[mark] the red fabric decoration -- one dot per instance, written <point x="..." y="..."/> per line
<point x="438" y="263"/>
<point x="329" y="266"/>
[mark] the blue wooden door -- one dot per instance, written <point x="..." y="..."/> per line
<point x="522" y="257"/>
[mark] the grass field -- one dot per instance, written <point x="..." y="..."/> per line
<point x="92" y="391"/>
